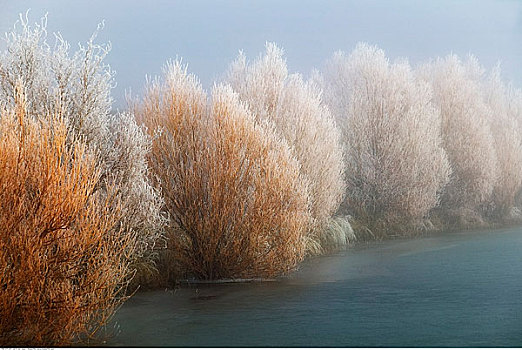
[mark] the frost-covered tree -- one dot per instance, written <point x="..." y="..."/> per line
<point x="232" y="188"/>
<point x="77" y="85"/>
<point x="505" y="105"/>
<point x="466" y="132"/>
<point x="395" y="165"/>
<point x="302" y="119"/>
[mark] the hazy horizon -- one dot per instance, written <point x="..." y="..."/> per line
<point x="209" y="34"/>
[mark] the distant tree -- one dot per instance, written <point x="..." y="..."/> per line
<point x="78" y="87"/>
<point x="396" y="167"/>
<point x="232" y="188"/>
<point x="505" y="104"/>
<point x="302" y="119"/>
<point x="466" y="131"/>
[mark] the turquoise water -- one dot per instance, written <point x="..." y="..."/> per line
<point x="450" y="290"/>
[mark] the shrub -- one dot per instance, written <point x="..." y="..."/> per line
<point x="231" y="187"/>
<point x="78" y="87"/>
<point x="395" y="165"/>
<point x="466" y="132"/>
<point x="63" y="265"/>
<point x="301" y="118"/>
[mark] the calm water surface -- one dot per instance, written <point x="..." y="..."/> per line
<point x="450" y="290"/>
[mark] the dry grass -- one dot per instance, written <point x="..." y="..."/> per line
<point x="337" y="235"/>
<point x="232" y="189"/>
<point x="63" y="268"/>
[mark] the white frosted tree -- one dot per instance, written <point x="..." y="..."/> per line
<point x="466" y="132"/>
<point x="296" y="109"/>
<point x="396" y="167"/>
<point x="77" y="86"/>
<point x="505" y="105"/>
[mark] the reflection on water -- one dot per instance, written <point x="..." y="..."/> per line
<point x="449" y="290"/>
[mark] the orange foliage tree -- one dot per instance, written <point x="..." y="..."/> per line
<point x="62" y="267"/>
<point x="78" y="85"/>
<point x="232" y="188"/>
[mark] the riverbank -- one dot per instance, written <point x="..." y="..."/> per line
<point x="351" y="237"/>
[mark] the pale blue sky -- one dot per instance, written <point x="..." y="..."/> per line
<point x="208" y="34"/>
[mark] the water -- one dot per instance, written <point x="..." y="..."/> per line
<point x="453" y="290"/>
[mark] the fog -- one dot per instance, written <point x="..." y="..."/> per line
<point x="209" y="34"/>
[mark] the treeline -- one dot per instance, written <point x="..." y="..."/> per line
<point x="243" y="181"/>
<point x="438" y="146"/>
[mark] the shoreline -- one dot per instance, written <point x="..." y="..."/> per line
<point x="357" y="244"/>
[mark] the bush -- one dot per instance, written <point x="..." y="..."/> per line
<point x="232" y="189"/>
<point x="63" y="265"/>
<point x="466" y="132"/>
<point x="395" y="165"/>
<point x="78" y="87"/>
<point x="301" y="118"/>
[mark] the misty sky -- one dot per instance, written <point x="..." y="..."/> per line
<point x="209" y="34"/>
